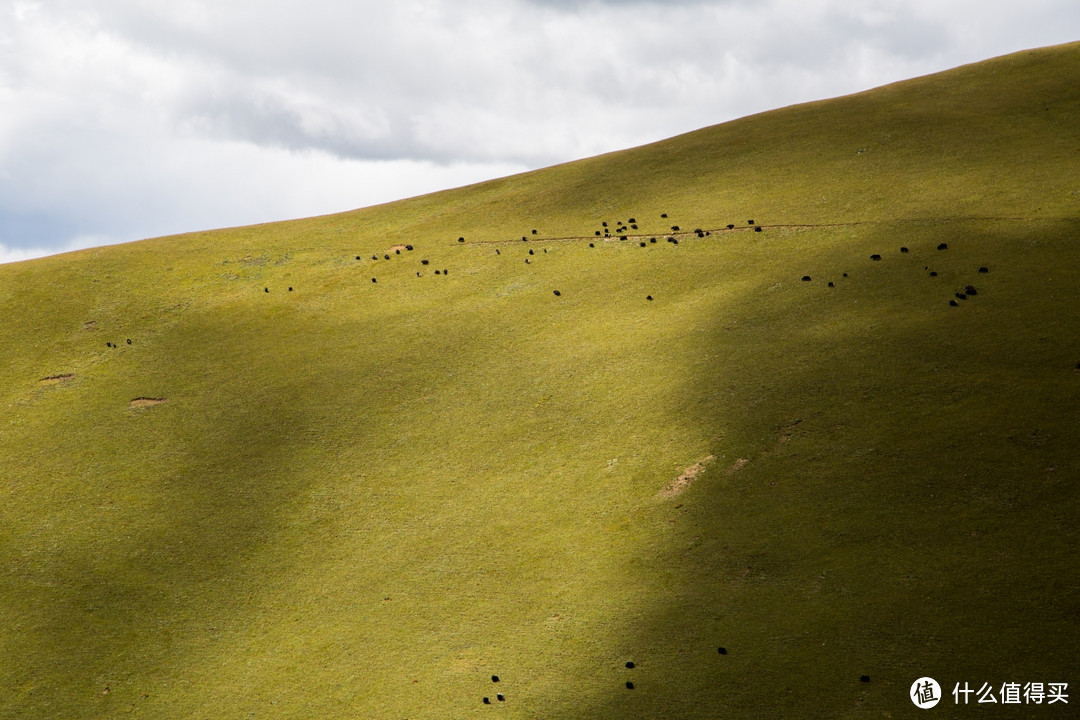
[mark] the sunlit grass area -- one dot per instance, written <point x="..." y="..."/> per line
<point x="370" y="483"/>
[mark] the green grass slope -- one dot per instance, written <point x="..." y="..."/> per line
<point x="363" y="499"/>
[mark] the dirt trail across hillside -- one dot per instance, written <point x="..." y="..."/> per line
<point x="751" y="228"/>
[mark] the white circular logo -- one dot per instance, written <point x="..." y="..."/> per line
<point x="925" y="692"/>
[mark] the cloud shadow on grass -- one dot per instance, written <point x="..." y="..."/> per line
<point x="901" y="511"/>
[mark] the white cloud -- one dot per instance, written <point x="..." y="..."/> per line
<point x="131" y="118"/>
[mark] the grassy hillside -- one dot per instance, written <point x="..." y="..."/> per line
<point x="370" y="484"/>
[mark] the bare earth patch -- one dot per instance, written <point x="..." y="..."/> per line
<point x="143" y="402"/>
<point x="54" y="379"/>
<point x="395" y="248"/>
<point x="737" y="465"/>
<point x="679" y="484"/>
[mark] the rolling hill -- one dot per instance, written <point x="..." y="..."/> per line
<point x="356" y="465"/>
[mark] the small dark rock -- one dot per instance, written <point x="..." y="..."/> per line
<point x="494" y="678"/>
<point x="984" y="269"/>
<point x="864" y="678"/>
<point x="875" y="256"/>
<point x="630" y="664"/>
<point x="953" y="303"/>
<point x="806" y="278"/>
<point x="629" y="685"/>
<point x="722" y="650"/>
<point x="557" y="293"/>
<point x="943" y="246"/>
<point x="903" y="249"/>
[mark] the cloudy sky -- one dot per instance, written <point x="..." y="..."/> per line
<point x="126" y="119"/>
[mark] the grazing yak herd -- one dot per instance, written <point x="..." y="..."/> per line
<point x="968" y="290"/>
<point x="619" y="229"/>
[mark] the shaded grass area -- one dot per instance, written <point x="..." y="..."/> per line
<point x="364" y="498"/>
<point x="903" y="511"/>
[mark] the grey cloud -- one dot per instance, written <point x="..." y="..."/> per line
<point x="287" y="119"/>
<point x="133" y="117"/>
<point x="580" y="4"/>
<point x="426" y="80"/>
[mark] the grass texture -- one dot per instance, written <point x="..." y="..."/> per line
<point x="363" y="499"/>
